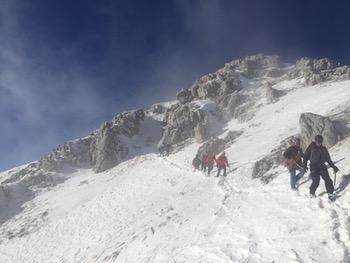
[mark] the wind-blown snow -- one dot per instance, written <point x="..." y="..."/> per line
<point x="154" y="209"/>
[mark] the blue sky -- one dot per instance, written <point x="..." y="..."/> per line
<point x="67" y="66"/>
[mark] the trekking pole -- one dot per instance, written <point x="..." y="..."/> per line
<point x="335" y="178"/>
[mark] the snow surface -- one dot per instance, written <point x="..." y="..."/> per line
<point x="155" y="209"/>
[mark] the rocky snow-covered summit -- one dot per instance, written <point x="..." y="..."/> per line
<point x="108" y="197"/>
<point x="235" y="91"/>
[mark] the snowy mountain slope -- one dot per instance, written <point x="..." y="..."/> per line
<point x="154" y="209"/>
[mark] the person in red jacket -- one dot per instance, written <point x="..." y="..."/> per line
<point x="210" y="161"/>
<point x="222" y="163"/>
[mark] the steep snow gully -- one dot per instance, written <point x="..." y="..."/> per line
<point x="150" y="208"/>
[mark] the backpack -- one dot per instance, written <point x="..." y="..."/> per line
<point x="317" y="155"/>
<point x="289" y="153"/>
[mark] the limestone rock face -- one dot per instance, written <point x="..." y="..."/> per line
<point x="225" y="87"/>
<point x="74" y="153"/>
<point x="184" y="96"/>
<point x="101" y="150"/>
<point x="263" y="168"/>
<point x="206" y="87"/>
<point x="318" y="70"/>
<point x="158" y="109"/>
<point x="108" y="150"/>
<point x="313" y="124"/>
<point x="256" y="65"/>
<point x="184" y="121"/>
<point x="230" y="104"/>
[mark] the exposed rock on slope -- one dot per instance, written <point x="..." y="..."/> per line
<point x="101" y="150"/>
<point x="184" y="121"/>
<point x="318" y="70"/>
<point x="158" y="108"/>
<point x="184" y="96"/>
<point x="234" y="95"/>
<point x="263" y="168"/>
<point x="313" y="124"/>
<point x="256" y="65"/>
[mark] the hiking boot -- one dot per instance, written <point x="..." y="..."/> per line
<point x="331" y="197"/>
<point x="312" y="196"/>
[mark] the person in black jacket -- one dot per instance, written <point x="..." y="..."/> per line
<point x="317" y="154"/>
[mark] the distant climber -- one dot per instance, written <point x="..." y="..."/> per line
<point x="222" y="163"/>
<point x="317" y="154"/>
<point x="167" y="149"/>
<point x="164" y="150"/>
<point x="196" y="162"/>
<point x="161" y="150"/>
<point x="210" y="160"/>
<point x="294" y="155"/>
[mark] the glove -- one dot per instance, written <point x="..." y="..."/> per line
<point x="335" y="169"/>
<point x="305" y="168"/>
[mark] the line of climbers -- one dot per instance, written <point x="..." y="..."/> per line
<point x="207" y="162"/>
<point x="317" y="155"/>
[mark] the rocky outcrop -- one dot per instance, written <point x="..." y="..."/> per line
<point x="74" y="153"/>
<point x="263" y="168"/>
<point x="217" y="85"/>
<point x="184" y="121"/>
<point x="313" y="124"/>
<point x="227" y="80"/>
<point x="107" y="149"/>
<point x="158" y="109"/>
<point x="228" y="104"/>
<point x="101" y="150"/>
<point x="225" y="87"/>
<point x="255" y="66"/>
<point x="184" y="96"/>
<point x="206" y="87"/>
<point x="245" y="111"/>
<point x="315" y="71"/>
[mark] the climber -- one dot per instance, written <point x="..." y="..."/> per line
<point x="222" y="163"/>
<point x="317" y="154"/>
<point x="196" y="162"/>
<point x="210" y="160"/>
<point x="161" y="150"/>
<point x="167" y="149"/>
<point x="294" y="155"/>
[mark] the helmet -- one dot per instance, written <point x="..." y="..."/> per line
<point x="319" y="138"/>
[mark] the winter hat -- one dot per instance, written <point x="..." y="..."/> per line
<point x="319" y="138"/>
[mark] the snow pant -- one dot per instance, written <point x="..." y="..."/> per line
<point x="294" y="177"/>
<point x="210" y="168"/>
<point x="315" y="176"/>
<point x="204" y="167"/>
<point x="221" y="167"/>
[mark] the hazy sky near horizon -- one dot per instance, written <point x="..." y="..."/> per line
<point x="67" y="66"/>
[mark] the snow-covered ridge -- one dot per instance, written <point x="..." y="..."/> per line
<point x="153" y="209"/>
